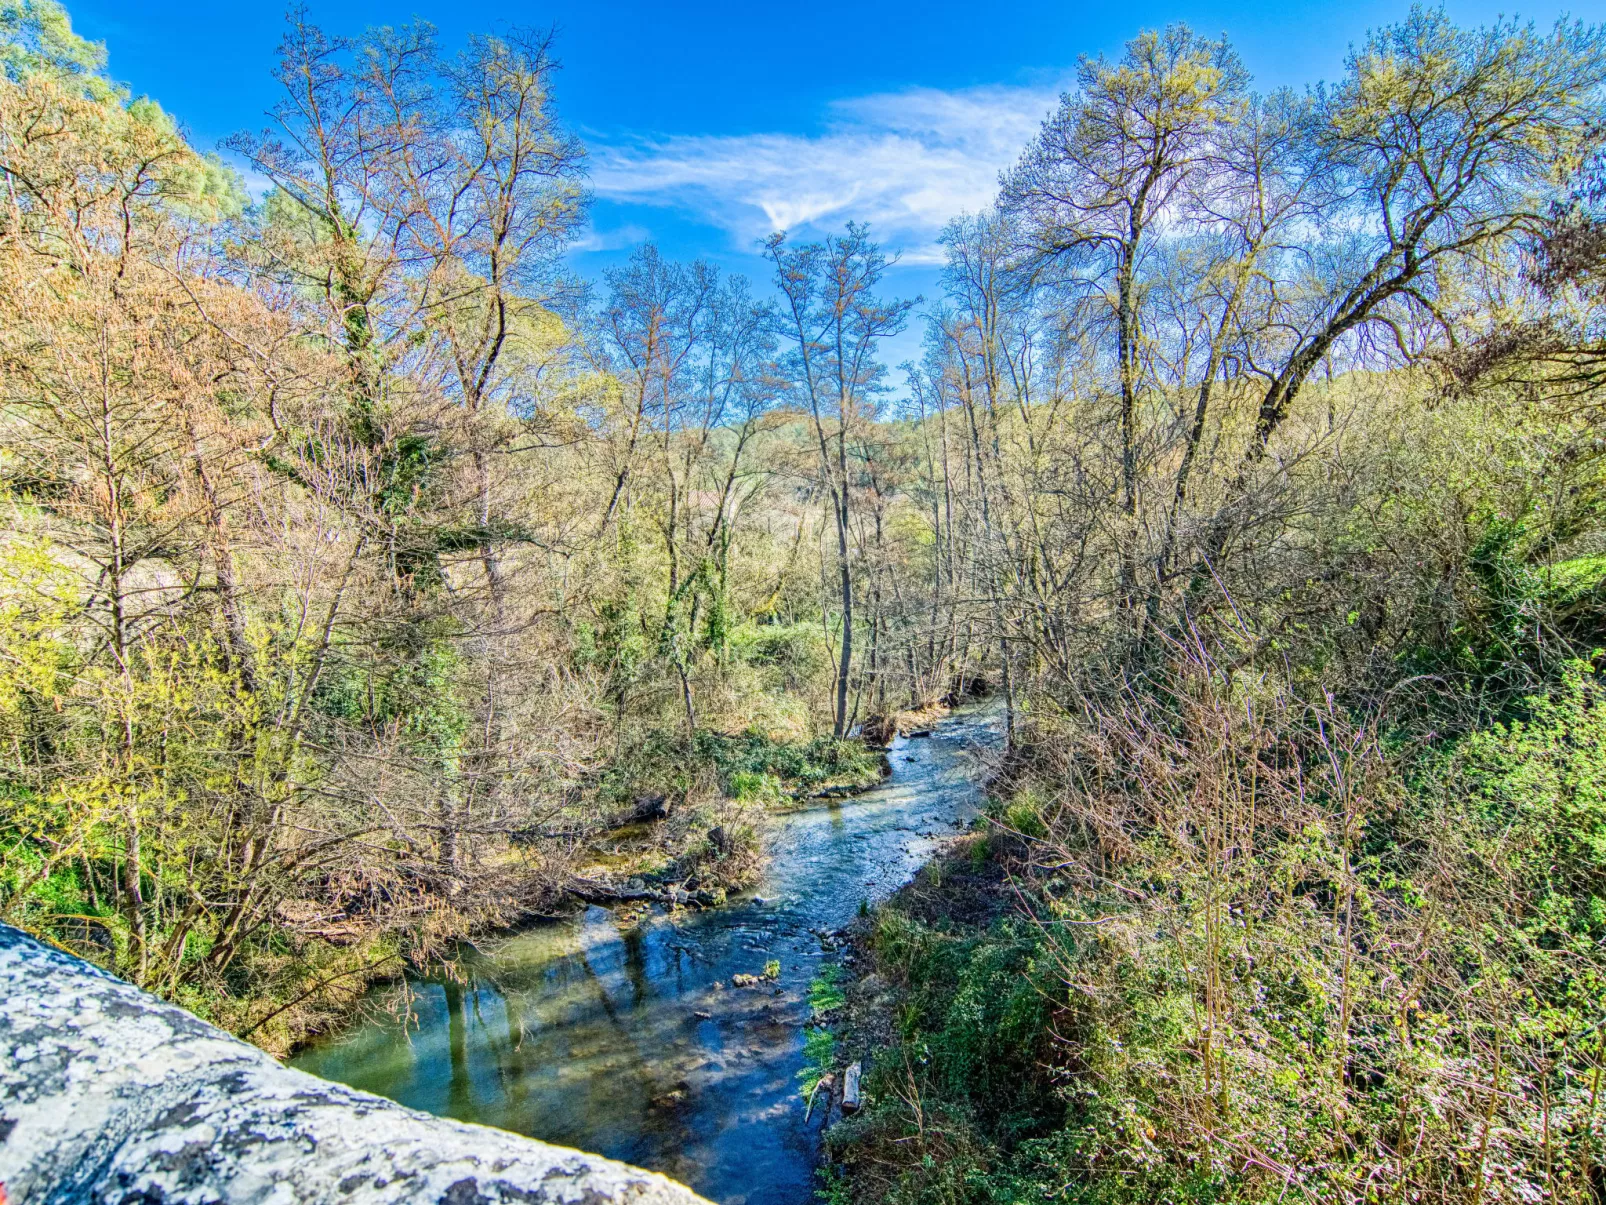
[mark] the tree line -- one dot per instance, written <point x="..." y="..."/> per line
<point x="364" y="565"/>
<point x="1278" y="433"/>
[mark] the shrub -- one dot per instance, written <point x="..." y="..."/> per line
<point x="1271" y="953"/>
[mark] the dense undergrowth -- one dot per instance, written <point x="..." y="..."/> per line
<point x="1227" y="943"/>
<point x="300" y="971"/>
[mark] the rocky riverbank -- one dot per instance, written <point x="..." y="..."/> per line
<point x="885" y="978"/>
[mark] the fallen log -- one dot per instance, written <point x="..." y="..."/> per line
<point x="847" y="790"/>
<point x="850" y="1089"/>
<point x="843" y="791"/>
<point x="594" y="891"/>
<point x="107" y="1094"/>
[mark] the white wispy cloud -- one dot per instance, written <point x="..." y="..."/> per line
<point x="905" y="162"/>
<point x="629" y="235"/>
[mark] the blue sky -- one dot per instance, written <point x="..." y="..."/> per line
<point x="710" y="124"/>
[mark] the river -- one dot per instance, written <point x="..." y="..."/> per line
<point x="629" y="1040"/>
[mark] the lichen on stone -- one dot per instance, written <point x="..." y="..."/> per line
<point x="109" y="1096"/>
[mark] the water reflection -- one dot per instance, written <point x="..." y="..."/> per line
<point x="630" y="1042"/>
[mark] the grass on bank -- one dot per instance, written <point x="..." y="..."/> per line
<point x="1370" y="975"/>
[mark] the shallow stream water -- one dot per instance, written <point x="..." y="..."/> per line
<point x="616" y="1039"/>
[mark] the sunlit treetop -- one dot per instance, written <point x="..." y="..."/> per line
<point x="37" y="38"/>
<point x="56" y="69"/>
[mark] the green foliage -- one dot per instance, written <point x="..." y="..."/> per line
<point x="1500" y="633"/>
<point x="1024" y="813"/>
<point x="36" y="37"/>
<point x="751" y="786"/>
<point x="750" y="766"/>
<point x="617" y="645"/>
<point x="40" y="51"/>
<point x="825" y="992"/>
<point x="1578" y="579"/>
<point x="805" y="764"/>
<point x="1533" y="792"/>
<point x="972" y="1034"/>
<point x="1110" y="1047"/>
<point x="795" y="654"/>
<point x="819" y="1057"/>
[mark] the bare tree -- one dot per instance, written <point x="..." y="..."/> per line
<point x="833" y="320"/>
<point x="1095" y="189"/>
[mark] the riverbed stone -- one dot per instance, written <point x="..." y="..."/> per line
<point x="108" y="1096"/>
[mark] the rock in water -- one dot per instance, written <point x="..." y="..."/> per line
<point x="109" y="1095"/>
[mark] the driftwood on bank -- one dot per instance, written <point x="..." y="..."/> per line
<point x="597" y="891"/>
<point x="109" y="1095"/>
<point x="850" y="1089"/>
